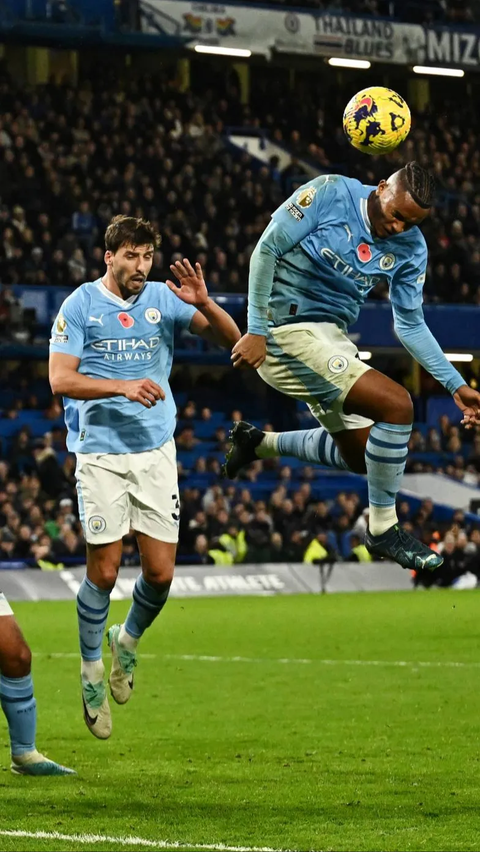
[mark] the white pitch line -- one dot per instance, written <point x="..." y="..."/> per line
<point x="134" y="841"/>
<point x="75" y="655"/>
<point x="302" y="661"/>
<point x="305" y="661"/>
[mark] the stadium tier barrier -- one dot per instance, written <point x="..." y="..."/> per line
<point x="454" y="326"/>
<point x="192" y="581"/>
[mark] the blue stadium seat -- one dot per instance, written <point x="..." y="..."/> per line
<point x="180" y="398"/>
<point x="207" y="447"/>
<point x="8" y="428"/>
<point x="345" y="544"/>
<point x="206" y="428"/>
<point x="438" y="405"/>
<point x="332" y="540"/>
<point x="421" y="427"/>
<point x="435" y="459"/>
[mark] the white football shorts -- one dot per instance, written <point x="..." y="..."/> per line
<point x="5" y="608"/>
<point x="317" y="363"/>
<point x="118" y="492"/>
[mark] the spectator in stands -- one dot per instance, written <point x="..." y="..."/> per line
<point x="68" y="544"/>
<point x="358" y="551"/>
<point x="186" y="440"/>
<point x="43" y="556"/>
<point x="277" y="551"/>
<point x="49" y="471"/>
<point x="7" y="546"/>
<point x="218" y="554"/>
<point x="55" y="235"/>
<point x="319" y="551"/>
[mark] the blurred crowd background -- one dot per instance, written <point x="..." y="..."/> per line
<point x="428" y="11"/>
<point x="71" y="157"/>
<point x="74" y="155"/>
<point x="279" y="510"/>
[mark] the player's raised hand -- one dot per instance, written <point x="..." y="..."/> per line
<point x="250" y="351"/>
<point x="144" y="391"/>
<point x="192" y="289"/>
<point x="468" y="401"/>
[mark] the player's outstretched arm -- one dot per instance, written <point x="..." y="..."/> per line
<point x="417" y="339"/>
<point x="67" y="381"/>
<point x="210" y="320"/>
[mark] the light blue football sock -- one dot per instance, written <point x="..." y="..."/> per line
<point x="20" y="708"/>
<point x="92" y="608"/>
<point x="315" y="446"/>
<point x="385" y="456"/>
<point x="147" y="603"/>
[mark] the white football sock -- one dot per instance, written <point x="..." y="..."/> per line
<point x="128" y="642"/>
<point x="268" y="446"/>
<point x="93" y="671"/>
<point x="381" y="518"/>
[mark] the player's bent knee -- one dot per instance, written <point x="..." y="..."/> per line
<point x="159" y="573"/>
<point x="103" y="563"/>
<point x="18" y="663"/>
<point x="24" y="658"/>
<point x="157" y="560"/>
<point x="107" y="577"/>
<point x="103" y="575"/>
<point x="399" y="407"/>
<point x="406" y="405"/>
<point x="160" y="576"/>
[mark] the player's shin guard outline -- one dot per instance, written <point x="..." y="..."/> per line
<point x="385" y="456"/>
<point x="20" y="708"/>
<point x="315" y="446"/>
<point x="147" y="603"/>
<point x="93" y="604"/>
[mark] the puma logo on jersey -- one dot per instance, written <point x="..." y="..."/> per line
<point x="96" y="319"/>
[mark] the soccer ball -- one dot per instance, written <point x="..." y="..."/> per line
<point x="376" y="120"/>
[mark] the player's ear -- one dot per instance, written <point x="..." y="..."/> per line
<point x="108" y="257"/>
<point x="381" y="186"/>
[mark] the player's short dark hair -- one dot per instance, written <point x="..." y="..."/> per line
<point x="130" y="231"/>
<point x="419" y="183"/>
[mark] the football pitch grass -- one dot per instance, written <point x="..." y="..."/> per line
<point x="340" y="722"/>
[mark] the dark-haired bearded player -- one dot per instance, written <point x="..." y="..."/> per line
<point x="325" y="248"/>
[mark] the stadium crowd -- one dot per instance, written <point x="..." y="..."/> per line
<point x="427" y="11"/>
<point x="275" y="512"/>
<point x="72" y="157"/>
<point x="128" y="12"/>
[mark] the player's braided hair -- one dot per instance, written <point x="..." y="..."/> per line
<point x="419" y="183"/>
<point x="130" y="231"/>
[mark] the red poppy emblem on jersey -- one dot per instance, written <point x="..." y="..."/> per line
<point x="125" y="319"/>
<point x="364" y="253"/>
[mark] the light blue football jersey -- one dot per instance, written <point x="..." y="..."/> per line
<point x="331" y="259"/>
<point x="118" y="339"/>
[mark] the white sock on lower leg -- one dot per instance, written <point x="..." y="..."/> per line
<point x="268" y="446"/>
<point x="129" y="642"/>
<point x="93" y="671"/>
<point x="28" y="757"/>
<point x="381" y="518"/>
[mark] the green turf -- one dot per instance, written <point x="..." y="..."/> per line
<point x="294" y="756"/>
